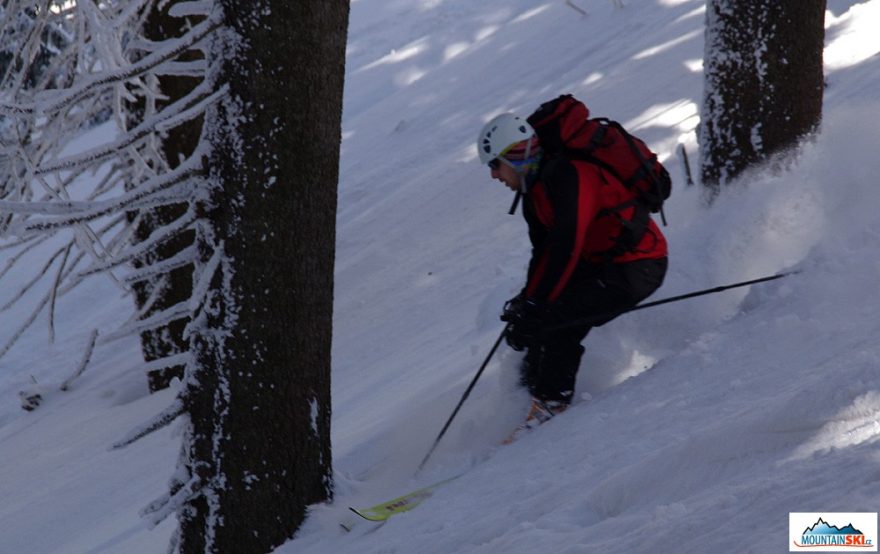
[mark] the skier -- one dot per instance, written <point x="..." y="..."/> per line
<point x="580" y="268"/>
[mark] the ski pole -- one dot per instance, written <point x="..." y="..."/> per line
<point x="463" y="398"/>
<point x="600" y="317"/>
<point x="587" y="321"/>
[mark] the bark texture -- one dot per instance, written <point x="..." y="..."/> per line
<point x="259" y="392"/>
<point x="763" y="82"/>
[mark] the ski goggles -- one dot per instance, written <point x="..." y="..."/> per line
<point x="518" y="165"/>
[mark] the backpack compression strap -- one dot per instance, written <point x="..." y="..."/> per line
<point x="631" y="230"/>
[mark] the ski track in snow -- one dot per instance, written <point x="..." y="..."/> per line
<point x="698" y="425"/>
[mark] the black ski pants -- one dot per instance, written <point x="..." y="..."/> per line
<point x="597" y="292"/>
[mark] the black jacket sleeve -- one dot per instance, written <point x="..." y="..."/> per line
<point x="556" y="255"/>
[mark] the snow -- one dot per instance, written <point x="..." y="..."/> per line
<point x="698" y="426"/>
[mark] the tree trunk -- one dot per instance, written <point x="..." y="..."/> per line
<point x="763" y="82"/>
<point x="258" y="393"/>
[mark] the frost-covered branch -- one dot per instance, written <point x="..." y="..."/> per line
<point x="163" y="419"/>
<point x="54" y="292"/>
<point x="79" y="212"/>
<point x="51" y="101"/>
<point x="160" y="319"/>
<point x="27" y="286"/>
<point x="181" y="259"/>
<point x="24" y="326"/>
<point x="84" y="123"/>
<point x="158" y="510"/>
<point x="158" y="237"/>
<point x="81" y="367"/>
<point x="184" y="110"/>
<point x="196" y="7"/>
<point x="28" y="243"/>
<point x="175" y="359"/>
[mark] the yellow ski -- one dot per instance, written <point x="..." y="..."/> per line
<point x="405" y="503"/>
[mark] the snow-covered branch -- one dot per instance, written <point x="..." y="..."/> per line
<point x="159" y="236"/>
<point x="160" y="319"/>
<point x="26" y="324"/>
<point x="58" y="277"/>
<point x="169" y="503"/>
<point x="81" y="367"/>
<point x="188" y="108"/>
<point x="163" y="419"/>
<point x="39" y="274"/>
<point x="74" y="213"/>
<point x="51" y="101"/>
<point x="90" y="67"/>
<point x="181" y="259"/>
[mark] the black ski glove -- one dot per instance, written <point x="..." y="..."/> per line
<point x="525" y="322"/>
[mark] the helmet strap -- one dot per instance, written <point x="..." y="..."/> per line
<point x="515" y="203"/>
<point x="522" y="173"/>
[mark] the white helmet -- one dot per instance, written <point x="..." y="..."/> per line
<point x="500" y="133"/>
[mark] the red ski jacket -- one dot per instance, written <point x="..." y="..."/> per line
<point x="567" y="226"/>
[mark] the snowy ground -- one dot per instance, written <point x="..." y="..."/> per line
<point x="698" y="426"/>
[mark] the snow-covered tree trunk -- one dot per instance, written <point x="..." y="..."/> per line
<point x="763" y="82"/>
<point x="257" y="446"/>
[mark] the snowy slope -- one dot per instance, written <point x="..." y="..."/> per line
<point x="698" y="426"/>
